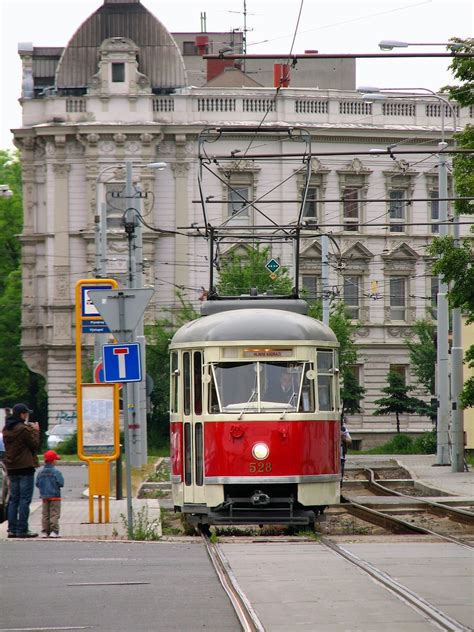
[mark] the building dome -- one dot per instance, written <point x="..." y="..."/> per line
<point x="158" y="55"/>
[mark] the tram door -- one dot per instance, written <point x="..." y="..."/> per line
<point x="193" y="435"/>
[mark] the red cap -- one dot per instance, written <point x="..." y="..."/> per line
<point x="51" y="455"/>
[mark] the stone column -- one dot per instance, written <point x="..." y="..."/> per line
<point x="180" y="171"/>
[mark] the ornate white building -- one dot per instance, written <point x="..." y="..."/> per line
<point x="120" y="90"/>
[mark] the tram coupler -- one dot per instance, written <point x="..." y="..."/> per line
<point x="260" y="498"/>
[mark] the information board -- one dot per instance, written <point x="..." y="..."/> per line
<point x="99" y="420"/>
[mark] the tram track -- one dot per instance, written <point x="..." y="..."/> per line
<point x="403" y="592"/>
<point x="396" y="524"/>
<point x="437" y="508"/>
<point x="243" y="608"/>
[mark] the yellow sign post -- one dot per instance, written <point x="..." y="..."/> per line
<point x="98" y="433"/>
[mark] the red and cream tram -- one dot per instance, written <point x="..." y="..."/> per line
<point x="255" y="431"/>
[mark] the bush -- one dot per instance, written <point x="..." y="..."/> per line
<point x="403" y="444"/>
<point x="69" y="446"/>
<point x="426" y="444"/>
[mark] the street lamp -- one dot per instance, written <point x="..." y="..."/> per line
<point x="136" y="393"/>
<point x="444" y="399"/>
<point x="391" y="44"/>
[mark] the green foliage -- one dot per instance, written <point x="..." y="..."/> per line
<point x="239" y="273"/>
<point x="423" y="363"/>
<point x="456" y="264"/>
<point x="143" y="528"/>
<point x="404" y="444"/>
<point x="158" y="337"/>
<point x="344" y="328"/>
<point x="69" y="446"/>
<point x="17" y="383"/>
<point x="397" y="400"/>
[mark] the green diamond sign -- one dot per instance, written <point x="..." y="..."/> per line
<point x="272" y="265"/>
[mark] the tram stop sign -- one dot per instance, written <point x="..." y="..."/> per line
<point x="272" y="265"/>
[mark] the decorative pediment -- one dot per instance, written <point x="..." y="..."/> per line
<point x="356" y="167"/>
<point x="239" y="250"/>
<point x="239" y="166"/>
<point x="401" y="252"/>
<point x="312" y="251"/>
<point x="317" y="166"/>
<point x="357" y="251"/>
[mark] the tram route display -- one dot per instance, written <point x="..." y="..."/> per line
<point x="254" y="421"/>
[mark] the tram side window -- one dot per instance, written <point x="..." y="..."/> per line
<point x="325" y="380"/>
<point x="307" y="391"/>
<point x="197" y="361"/>
<point x="174" y="382"/>
<point x="187" y="382"/>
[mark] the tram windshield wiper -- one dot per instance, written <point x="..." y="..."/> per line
<point x="250" y="400"/>
<point x="288" y="405"/>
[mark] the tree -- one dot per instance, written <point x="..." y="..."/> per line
<point x="423" y="362"/>
<point x="239" y="273"/>
<point x="456" y="264"/>
<point x="344" y="328"/>
<point x="397" y="400"/>
<point x="158" y="337"/>
<point x="17" y="383"/>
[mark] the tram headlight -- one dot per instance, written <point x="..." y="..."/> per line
<point x="260" y="451"/>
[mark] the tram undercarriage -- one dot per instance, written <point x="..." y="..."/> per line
<point x="248" y="504"/>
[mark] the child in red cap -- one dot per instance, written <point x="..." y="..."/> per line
<point x="49" y="482"/>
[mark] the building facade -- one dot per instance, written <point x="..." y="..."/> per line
<point x="120" y="90"/>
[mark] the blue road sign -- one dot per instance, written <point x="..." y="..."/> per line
<point x="122" y="363"/>
<point x="90" y="326"/>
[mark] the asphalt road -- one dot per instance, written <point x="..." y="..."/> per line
<point x="112" y="587"/>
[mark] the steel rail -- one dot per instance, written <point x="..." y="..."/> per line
<point x="394" y="524"/>
<point x="413" y="599"/>
<point x="461" y="515"/>
<point x="243" y="609"/>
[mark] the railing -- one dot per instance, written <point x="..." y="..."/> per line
<point x="297" y="106"/>
<point x="76" y="105"/>
<point x="398" y="109"/>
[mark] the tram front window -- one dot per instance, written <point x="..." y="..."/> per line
<point x="261" y="387"/>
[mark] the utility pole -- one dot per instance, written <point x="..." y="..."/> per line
<point x="325" y="277"/>
<point x="443" y="457"/>
<point x="132" y="391"/>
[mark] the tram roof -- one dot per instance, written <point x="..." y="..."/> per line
<point x="255" y="325"/>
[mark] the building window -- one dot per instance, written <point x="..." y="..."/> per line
<point x="398" y="299"/>
<point x="115" y="205"/>
<point x="238" y="199"/>
<point x="189" y="49"/>
<point x="434" y="211"/>
<point x="400" y="369"/>
<point x="397" y="210"/>
<point x="352" y="296"/>
<point x="310" y="210"/>
<point x="310" y="286"/>
<point x="351" y="208"/>
<point x="118" y="72"/>
<point x="434" y="295"/>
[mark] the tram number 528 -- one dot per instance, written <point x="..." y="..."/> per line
<point x="255" y="468"/>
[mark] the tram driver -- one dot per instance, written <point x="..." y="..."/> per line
<point x="282" y="389"/>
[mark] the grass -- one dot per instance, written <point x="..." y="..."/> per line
<point x="143" y="528"/>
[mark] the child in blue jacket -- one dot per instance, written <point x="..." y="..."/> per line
<point x="49" y="482"/>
